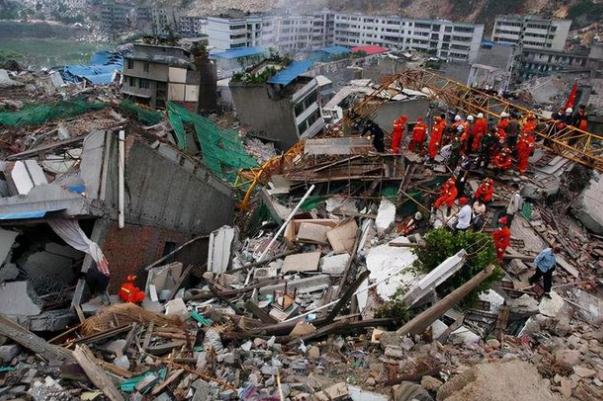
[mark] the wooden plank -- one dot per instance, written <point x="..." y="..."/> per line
<point x="32" y="342"/>
<point x="259" y="312"/>
<point x="161" y="386"/>
<point x="178" y="283"/>
<point x="86" y="359"/>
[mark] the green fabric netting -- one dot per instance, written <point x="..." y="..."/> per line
<point x="39" y="114"/>
<point x="222" y="150"/>
<point x="143" y="115"/>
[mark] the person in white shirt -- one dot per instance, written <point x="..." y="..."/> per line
<point x="463" y="217"/>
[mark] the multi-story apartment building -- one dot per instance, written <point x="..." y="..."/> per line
<point x="156" y="74"/>
<point x="456" y="41"/>
<point x="192" y="26"/>
<point x="539" y="62"/>
<point x="531" y="32"/>
<point x="290" y="33"/>
<point x="231" y="32"/>
<point x="115" y="16"/>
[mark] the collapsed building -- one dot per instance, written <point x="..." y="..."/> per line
<point x="317" y="289"/>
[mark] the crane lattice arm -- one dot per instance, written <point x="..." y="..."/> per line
<point x="570" y="142"/>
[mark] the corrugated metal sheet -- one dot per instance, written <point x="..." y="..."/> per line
<point x="292" y="71"/>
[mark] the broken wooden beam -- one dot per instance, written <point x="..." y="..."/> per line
<point x="32" y="342"/>
<point x="86" y="359"/>
<point x="424" y="319"/>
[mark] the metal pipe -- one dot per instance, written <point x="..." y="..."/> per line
<point x="122" y="167"/>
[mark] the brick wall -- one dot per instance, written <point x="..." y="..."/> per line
<point x="133" y="247"/>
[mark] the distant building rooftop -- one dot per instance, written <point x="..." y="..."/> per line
<point x="291" y="72"/>
<point x="238" y="53"/>
<point x="370" y="49"/>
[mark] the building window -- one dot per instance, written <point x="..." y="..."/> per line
<point x="130" y="64"/>
<point x="144" y="84"/>
<point x="132" y="81"/>
<point x="145" y="67"/>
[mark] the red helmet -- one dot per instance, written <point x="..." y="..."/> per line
<point x="463" y="200"/>
<point x="503" y="221"/>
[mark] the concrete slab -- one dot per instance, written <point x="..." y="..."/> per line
<point x="19" y="298"/>
<point x="301" y="262"/>
<point x="383" y="261"/>
<point x="587" y="207"/>
<point x="7" y="239"/>
<point x="386" y="216"/>
<point x="220" y="248"/>
<point x="334" y="264"/>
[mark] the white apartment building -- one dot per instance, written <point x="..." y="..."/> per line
<point x="456" y="41"/>
<point x="230" y="33"/>
<point x="290" y="33"/>
<point x="531" y="32"/>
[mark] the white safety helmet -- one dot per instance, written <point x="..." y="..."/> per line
<point x="480" y="115"/>
<point x="504" y="114"/>
<point x="457" y="118"/>
<point x="569" y="110"/>
<point x="460" y="128"/>
<point x="470" y="118"/>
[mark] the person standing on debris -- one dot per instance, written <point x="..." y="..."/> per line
<point x="581" y="118"/>
<point x="377" y="135"/>
<point x="479" y="213"/>
<point x="502" y="238"/>
<point x="503" y="159"/>
<point x="545" y="264"/>
<point x="525" y="146"/>
<point x="485" y="190"/>
<point x="398" y="133"/>
<point x="501" y="128"/>
<point x="479" y="130"/>
<point x="448" y="194"/>
<point x="463" y="217"/>
<point x="467" y="135"/>
<point x="530" y="124"/>
<point x="512" y="131"/>
<point x="435" y="139"/>
<point x="489" y="146"/>
<point x="515" y="205"/>
<point x="418" y="136"/>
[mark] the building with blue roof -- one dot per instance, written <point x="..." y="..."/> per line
<point x="100" y="71"/>
<point x="284" y="108"/>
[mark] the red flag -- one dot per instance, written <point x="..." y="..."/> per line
<point x="571" y="99"/>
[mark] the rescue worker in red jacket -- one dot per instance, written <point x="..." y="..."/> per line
<point x="467" y="134"/>
<point x="581" y="118"/>
<point x="448" y="194"/>
<point x="525" y="146"/>
<point x="479" y="130"/>
<point x="529" y="125"/>
<point x="503" y="159"/>
<point x="485" y="190"/>
<point x="435" y="139"/>
<point x="502" y="238"/>
<point x="398" y="133"/>
<point x="419" y="132"/>
<point x="501" y="131"/>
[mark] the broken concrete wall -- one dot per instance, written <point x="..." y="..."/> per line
<point x="271" y="118"/>
<point x="387" y="112"/>
<point x="587" y="207"/>
<point x="163" y="194"/>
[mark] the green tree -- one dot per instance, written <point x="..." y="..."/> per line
<point x="442" y="243"/>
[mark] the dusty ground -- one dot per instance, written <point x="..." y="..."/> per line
<point x="504" y="381"/>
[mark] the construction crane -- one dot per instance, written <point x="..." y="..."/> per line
<point x="570" y="142"/>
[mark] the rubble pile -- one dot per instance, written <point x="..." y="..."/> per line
<point x="319" y="292"/>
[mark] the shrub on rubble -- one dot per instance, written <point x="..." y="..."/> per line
<point x="442" y="243"/>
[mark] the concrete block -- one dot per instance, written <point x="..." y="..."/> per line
<point x="587" y="207"/>
<point x="8" y="352"/>
<point x="19" y="298"/>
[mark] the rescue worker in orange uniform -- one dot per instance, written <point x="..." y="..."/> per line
<point x="485" y="190"/>
<point x="501" y="131"/>
<point x="435" y="139"/>
<point x="467" y="134"/>
<point x="448" y="194"/>
<point x="398" y="133"/>
<point x="419" y="132"/>
<point x="128" y="291"/>
<point x="502" y="238"/>
<point x="529" y="125"/>
<point x="503" y="159"/>
<point x="581" y="118"/>
<point x="525" y="146"/>
<point x="479" y="130"/>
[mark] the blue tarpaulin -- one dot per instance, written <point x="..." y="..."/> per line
<point x="30" y="214"/>
<point x="238" y="53"/>
<point x="292" y="71"/>
<point x="100" y="71"/>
